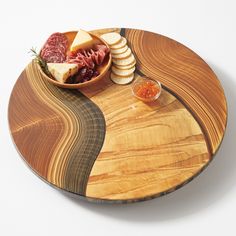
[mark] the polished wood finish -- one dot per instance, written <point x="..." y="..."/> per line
<point x="58" y="132"/>
<point x="104" y="144"/>
<point x="148" y="148"/>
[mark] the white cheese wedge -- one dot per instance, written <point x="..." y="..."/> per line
<point x="82" y="40"/>
<point x="62" y="71"/>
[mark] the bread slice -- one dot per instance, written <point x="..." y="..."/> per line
<point x="62" y="71"/>
<point x="119" y="50"/>
<point x="122" y="55"/>
<point x="121" y="72"/>
<point x="120" y="44"/>
<point x="121" y="80"/>
<point x="124" y="62"/>
<point x="111" y="38"/>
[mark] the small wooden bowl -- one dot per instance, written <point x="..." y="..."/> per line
<point x="102" y="69"/>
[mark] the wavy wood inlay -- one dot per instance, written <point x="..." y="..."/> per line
<point x="58" y="132"/>
<point x="186" y="75"/>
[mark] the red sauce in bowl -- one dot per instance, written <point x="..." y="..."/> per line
<point x="146" y="89"/>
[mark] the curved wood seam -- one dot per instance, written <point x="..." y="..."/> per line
<point x="90" y="143"/>
<point x="178" y="97"/>
<point x="91" y="119"/>
<point x="108" y="174"/>
<point x="187" y="107"/>
<point x="86" y="143"/>
<point x="199" y="105"/>
<point x="215" y="137"/>
<point x="91" y="146"/>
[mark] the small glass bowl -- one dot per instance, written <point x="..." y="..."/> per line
<point x="143" y="81"/>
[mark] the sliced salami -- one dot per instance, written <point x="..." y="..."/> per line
<point x="90" y="58"/>
<point x="54" y="50"/>
<point x="54" y="57"/>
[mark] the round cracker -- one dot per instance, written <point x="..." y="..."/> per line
<point x="124" y="62"/>
<point x="119" y="50"/>
<point x="120" y="44"/>
<point x="122" y="80"/>
<point x="122" y="55"/>
<point x="125" y="67"/>
<point x="121" y="72"/>
<point x="111" y="38"/>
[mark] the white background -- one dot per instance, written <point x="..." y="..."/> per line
<point x="207" y="205"/>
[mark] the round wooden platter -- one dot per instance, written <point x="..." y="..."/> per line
<point x="104" y="144"/>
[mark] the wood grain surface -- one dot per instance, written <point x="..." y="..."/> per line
<point x="58" y="132"/>
<point x="148" y="148"/>
<point x="186" y="75"/>
<point x="104" y="144"/>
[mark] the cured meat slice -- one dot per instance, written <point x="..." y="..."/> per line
<point x="101" y="47"/>
<point x="54" y="50"/>
<point x="57" y="38"/>
<point x="90" y="57"/>
<point x="54" y="57"/>
<point x="87" y="61"/>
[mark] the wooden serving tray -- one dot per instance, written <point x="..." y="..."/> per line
<point x="104" y="144"/>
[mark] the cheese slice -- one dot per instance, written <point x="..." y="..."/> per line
<point x="82" y="40"/>
<point x="62" y="71"/>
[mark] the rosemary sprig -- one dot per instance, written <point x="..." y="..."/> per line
<point x="40" y="61"/>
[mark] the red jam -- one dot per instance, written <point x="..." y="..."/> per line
<point x="146" y="90"/>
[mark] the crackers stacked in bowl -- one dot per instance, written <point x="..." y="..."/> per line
<point x="122" y="57"/>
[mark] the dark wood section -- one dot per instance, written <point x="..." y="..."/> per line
<point x="58" y="132"/>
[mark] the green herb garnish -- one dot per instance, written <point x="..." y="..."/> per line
<point x="40" y="61"/>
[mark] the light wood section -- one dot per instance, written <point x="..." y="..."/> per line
<point x="122" y="170"/>
<point x="148" y="148"/>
